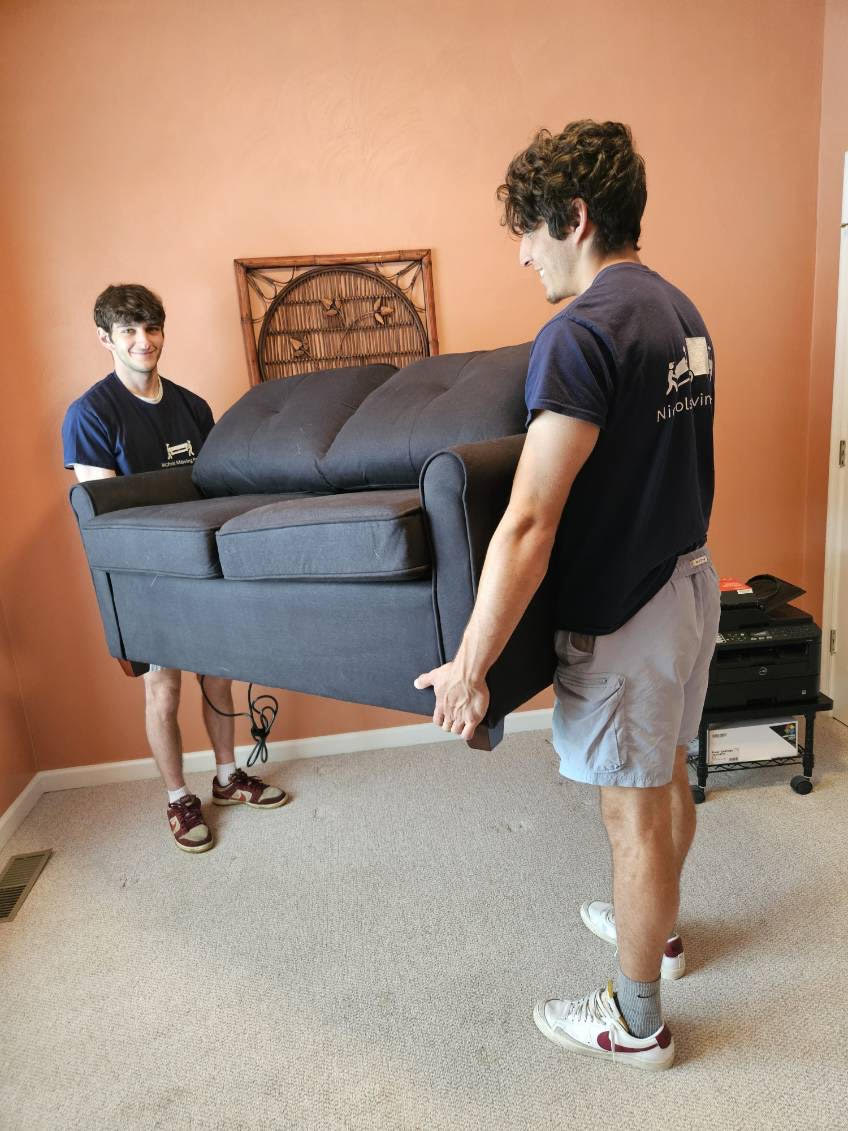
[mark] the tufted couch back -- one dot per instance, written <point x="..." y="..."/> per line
<point x="362" y="427"/>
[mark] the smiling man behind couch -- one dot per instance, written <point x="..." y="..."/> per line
<point x="616" y="478"/>
<point x="135" y="420"/>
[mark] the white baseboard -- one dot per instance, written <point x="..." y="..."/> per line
<point x="199" y="761"/>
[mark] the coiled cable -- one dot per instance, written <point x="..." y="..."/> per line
<point x="262" y="711"/>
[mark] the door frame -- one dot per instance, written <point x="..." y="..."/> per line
<point x="837" y="491"/>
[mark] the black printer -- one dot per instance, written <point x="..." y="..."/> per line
<point x="768" y="651"/>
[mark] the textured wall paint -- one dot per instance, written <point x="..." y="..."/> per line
<point x="158" y="148"/>
<point x="833" y="146"/>
<point x="17" y="753"/>
<point x="17" y="758"/>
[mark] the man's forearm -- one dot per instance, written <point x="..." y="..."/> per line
<point x="516" y="563"/>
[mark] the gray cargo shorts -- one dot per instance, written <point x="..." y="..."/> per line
<point x="625" y="701"/>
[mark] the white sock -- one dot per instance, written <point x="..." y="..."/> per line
<point x="176" y="794"/>
<point x="224" y="773"/>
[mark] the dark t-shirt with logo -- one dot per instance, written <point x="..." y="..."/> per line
<point x="632" y="355"/>
<point x="110" y="427"/>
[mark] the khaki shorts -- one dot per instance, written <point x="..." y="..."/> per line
<point x="625" y="701"/>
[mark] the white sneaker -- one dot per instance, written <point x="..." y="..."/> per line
<point x="593" y="1025"/>
<point x="600" y="919"/>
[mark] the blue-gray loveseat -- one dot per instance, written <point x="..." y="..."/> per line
<point x="328" y="538"/>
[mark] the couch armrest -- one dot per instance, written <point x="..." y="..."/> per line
<point x="464" y="493"/>
<point x="120" y="492"/>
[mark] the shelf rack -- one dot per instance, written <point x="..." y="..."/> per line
<point x="724" y="716"/>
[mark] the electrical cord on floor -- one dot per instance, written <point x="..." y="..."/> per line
<point x="261" y="715"/>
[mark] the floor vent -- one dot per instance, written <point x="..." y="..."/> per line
<point x="16" y="881"/>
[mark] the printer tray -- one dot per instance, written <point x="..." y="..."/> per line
<point x="758" y="692"/>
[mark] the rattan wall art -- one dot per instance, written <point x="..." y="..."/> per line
<point x="308" y="312"/>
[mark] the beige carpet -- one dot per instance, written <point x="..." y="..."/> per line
<point x="368" y="956"/>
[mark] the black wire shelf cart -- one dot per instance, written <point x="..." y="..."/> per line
<point x="724" y="716"/>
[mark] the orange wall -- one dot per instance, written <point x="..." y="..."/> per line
<point x="17" y="758"/>
<point x="833" y="146"/>
<point x="159" y="147"/>
<point x="17" y="754"/>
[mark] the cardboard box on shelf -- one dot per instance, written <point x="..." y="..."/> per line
<point x="752" y="742"/>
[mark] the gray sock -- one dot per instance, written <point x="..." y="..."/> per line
<point x="639" y="1003"/>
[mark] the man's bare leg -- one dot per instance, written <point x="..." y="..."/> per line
<point x="162" y="699"/>
<point x="221" y="730"/>
<point x="650" y="831"/>
<point x="683" y="818"/>
<point x="162" y="694"/>
<point x="646" y="875"/>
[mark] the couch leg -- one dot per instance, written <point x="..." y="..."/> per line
<point x="486" y="738"/>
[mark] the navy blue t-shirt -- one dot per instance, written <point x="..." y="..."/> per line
<point x="632" y="355"/>
<point x="110" y="427"/>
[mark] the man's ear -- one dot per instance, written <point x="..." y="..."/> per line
<point x="104" y="339"/>
<point x="584" y="226"/>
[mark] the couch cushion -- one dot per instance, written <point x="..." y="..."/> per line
<point x="433" y="404"/>
<point x="273" y="437"/>
<point x="370" y="535"/>
<point x="174" y="538"/>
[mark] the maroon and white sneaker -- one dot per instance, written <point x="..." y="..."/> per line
<point x="188" y="826"/>
<point x="593" y="1026"/>
<point x="600" y="919"/>
<point x="245" y="790"/>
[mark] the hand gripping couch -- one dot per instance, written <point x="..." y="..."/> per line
<point x="329" y="537"/>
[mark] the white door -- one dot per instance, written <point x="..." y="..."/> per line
<point x="835" y="618"/>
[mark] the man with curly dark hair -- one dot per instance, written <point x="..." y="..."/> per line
<point x="613" y="492"/>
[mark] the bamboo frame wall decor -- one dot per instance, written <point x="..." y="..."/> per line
<point x="307" y="312"/>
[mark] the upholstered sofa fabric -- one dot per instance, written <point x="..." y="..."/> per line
<point x="365" y="536"/>
<point x="177" y="539"/>
<point x="275" y="436"/>
<point x="345" y="639"/>
<point x="435" y="403"/>
<point x="329" y="538"/>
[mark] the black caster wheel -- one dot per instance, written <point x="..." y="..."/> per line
<point x="801" y="784"/>
<point x="699" y="795"/>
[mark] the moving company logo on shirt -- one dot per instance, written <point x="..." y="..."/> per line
<point x="696" y="362"/>
<point x="173" y="450"/>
